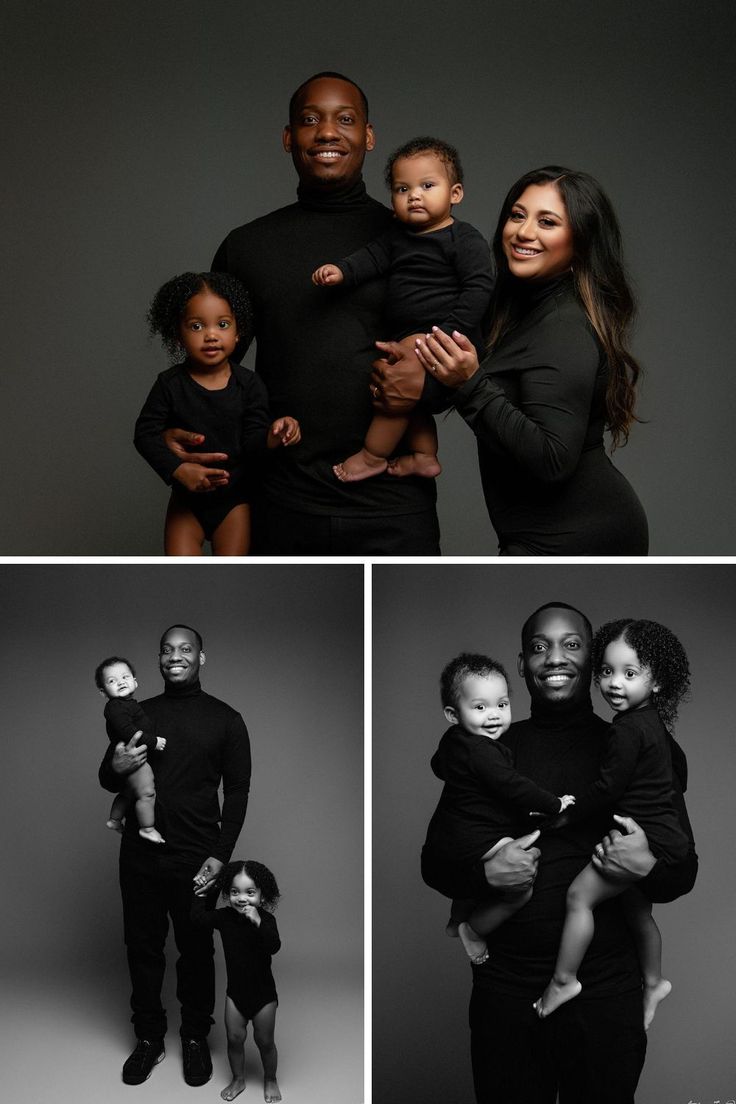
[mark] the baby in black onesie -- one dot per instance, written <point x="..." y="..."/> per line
<point x="206" y="315"/>
<point x="115" y="679"/>
<point x="483" y="803"/>
<point x="249" y="939"/>
<point x="439" y="273"/>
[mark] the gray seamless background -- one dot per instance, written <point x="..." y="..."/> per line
<point x="284" y="646"/>
<point x="423" y="616"/>
<point x="137" y="135"/>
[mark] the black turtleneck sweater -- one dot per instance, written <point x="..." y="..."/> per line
<point x="315" y="347"/>
<point x="206" y="741"/>
<point x="537" y="407"/>
<point x="561" y="749"/>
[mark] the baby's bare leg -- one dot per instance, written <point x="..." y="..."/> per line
<point x="460" y="910"/>
<point x="264" y="1023"/>
<point x="638" y="912"/>
<point x="471" y="937"/>
<point x="484" y="919"/>
<point x="588" y="890"/>
<point x="118" y="810"/>
<point x="142" y="788"/>
<point x="383" y="436"/>
<point x="232" y="535"/>
<point x="183" y="535"/>
<point x="236" y="1027"/>
<point x="421" y="441"/>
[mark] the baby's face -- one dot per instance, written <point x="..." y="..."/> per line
<point x="243" y="891"/>
<point x="421" y="193"/>
<point x="118" y="681"/>
<point x="625" y="682"/>
<point x="483" y="706"/>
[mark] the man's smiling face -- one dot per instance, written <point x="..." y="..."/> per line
<point x="328" y="133"/>
<point x="555" y="657"/>
<point x="180" y="657"/>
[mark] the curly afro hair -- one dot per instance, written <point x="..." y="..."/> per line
<point x="447" y="154"/>
<point x="459" y="668"/>
<point x="658" y="649"/>
<point x="169" y="302"/>
<point x="259" y="874"/>
<point x="110" y="662"/>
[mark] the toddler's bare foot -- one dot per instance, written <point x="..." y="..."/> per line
<point x="271" y="1090"/>
<point x="361" y="465"/>
<point x="114" y="825"/>
<point x="653" y="994"/>
<point x="416" y="463"/>
<point x="234" y="1089"/>
<point x="555" y="994"/>
<point x="152" y="835"/>
<point x="474" y="945"/>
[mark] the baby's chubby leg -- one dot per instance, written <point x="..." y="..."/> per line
<point x="144" y="792"/>
<point x="383" y="436"/>
<point x="183" y="535"/>
<point x="421" y="441"/>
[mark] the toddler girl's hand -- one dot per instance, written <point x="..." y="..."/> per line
<point x="160" y="743"/>
<point x="327" y="274"/>
<point x="252" y="913"/>
<point x="565" y="801"/>
<point x="284" y="431"/>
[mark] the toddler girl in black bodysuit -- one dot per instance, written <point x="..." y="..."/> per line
<point x="249" y="938"/>
<point x="205" y="315"/>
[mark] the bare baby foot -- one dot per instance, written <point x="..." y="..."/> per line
<point x="416" y="463"/>
<point x="556" y="994"/>
<point x="151" y="834"/>
<point x="474" y="945"/>
<point x="234" y="1089"/>
<point x="361" y="465"/>
<point x="653" y="994"/>
<point x="271" y="1091"/>
<point x="114" y="825"/>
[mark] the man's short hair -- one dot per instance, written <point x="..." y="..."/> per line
<point x="109" y="662"/>
<point x="178" y="625"/>
<point x="333" y="76"/>
<point x="553" y="605"/>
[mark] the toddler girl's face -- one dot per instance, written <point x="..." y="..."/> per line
<point x="625" y="683"/>
<point x="483" y="706"/>
<point x="421" y="193"/>
<point x="243" y="892"/>
<point x="208" y="331"/>
<point x="118" y="681"/>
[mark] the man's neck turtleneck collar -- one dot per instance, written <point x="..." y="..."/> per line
<point x="188" y="691"/>
<point x="562" y="715"/>
<point x="344" y="198"/>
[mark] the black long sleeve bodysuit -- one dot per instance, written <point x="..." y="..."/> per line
<point x="123" y="718"/>
<point x="315" y="349"/>
<point x="594" y="1046"/>
<point x="484" y="798"/>
<point x="537" y="408"/>
<point x="442" y="278"/>
<point x="234" y="419"/>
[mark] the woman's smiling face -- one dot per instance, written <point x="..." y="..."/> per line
<point x="537" y="237"/>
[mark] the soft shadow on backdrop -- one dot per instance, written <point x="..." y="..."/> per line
<point x="423" y="616"/>
<point x="284" y="647"/>
<point x="140" y="134"/>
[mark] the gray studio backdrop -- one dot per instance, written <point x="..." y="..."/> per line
<point x="284" y="646"/>
<point x="137" y="135"/>
<point x="423" y="616"/>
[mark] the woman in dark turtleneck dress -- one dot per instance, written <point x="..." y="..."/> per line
<point x="557" y="375"/>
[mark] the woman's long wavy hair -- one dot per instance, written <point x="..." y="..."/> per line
<point x="600" y="280"/>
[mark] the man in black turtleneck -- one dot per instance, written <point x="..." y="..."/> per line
<point x="592" y="1048"/>
<point x="315" y="346"/>
<point x="206" y="742"/>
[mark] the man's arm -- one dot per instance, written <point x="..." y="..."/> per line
<point x="236" y="771"/>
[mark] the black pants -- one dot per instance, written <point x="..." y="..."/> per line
<point x="588" y="1050"/>
<point x="150" y="897"/>
<point x="290" y="533"/>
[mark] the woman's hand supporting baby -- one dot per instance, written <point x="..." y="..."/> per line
<point x="451" y="360"/>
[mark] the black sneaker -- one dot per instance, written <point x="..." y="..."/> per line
<point x="197" y="1062"/>
<point x="139" y="1066"/>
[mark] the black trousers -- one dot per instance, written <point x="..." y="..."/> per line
<point x="150" y="897"/>
<point x="587" y="1051"/>
<point x="290" y="533"/>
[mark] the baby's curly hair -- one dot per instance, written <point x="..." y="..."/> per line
<point x="110" y="662"/>
<point x="447" y="154"/>
<point x="657" y="648"/>
<point x="167" y="308"/>
<point x="259" y="874"/>
<point x="458" y="669"/>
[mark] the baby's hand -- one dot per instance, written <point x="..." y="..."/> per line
<point x="284" y="431"/>
<point x="568" y="799"/>
<point x="327" y="274"/>
<point x="160" y="743"/>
